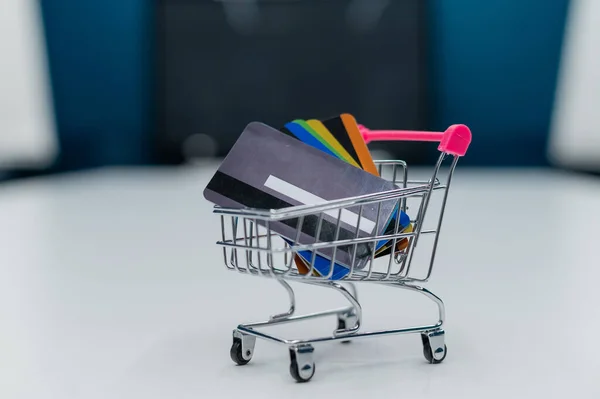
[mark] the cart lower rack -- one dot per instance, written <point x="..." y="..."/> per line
<point x="249" y="246"/>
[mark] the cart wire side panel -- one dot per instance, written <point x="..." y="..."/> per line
<point x="250" y="246"/>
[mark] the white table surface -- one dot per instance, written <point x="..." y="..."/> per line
<point x="111" y="287"/>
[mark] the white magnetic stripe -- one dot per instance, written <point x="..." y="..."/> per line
<point x="305" y="197"/>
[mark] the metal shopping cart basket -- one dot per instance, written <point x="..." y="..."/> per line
<point x="250" y="247"/>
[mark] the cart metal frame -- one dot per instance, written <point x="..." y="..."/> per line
<point x="251" y="247"/>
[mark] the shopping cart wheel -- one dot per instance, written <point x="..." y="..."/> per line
<point x="242" y="348"/>
<point x="302" y="366"/>
<point x="434" y="348"/>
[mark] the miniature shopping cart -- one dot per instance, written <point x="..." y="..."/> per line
<point x="250" y="246"/>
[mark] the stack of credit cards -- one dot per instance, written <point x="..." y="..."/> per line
<point x="311" y="162"/>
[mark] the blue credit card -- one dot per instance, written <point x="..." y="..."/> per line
<point x="322" y="264"/>
<point x="307" y="138"/>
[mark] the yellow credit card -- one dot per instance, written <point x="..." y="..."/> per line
<point x="320" y="129"/>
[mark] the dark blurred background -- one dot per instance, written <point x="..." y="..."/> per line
<point x="142" y="82"/>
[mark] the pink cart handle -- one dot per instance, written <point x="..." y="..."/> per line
<point x="455" y="140"/>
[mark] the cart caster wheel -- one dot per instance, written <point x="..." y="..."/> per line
<point x="302" y="367"/>
<point x="242" y="348"/>
<point x="297" y="375"/>
<point x="236" y="353"/>
<point x="434" y="348"/>
<point x="429" y="355"/>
